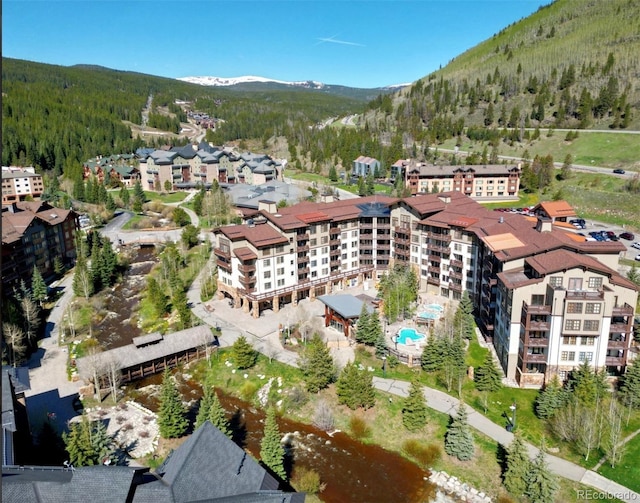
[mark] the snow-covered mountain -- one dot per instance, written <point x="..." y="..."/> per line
<point x="232" y="81"/>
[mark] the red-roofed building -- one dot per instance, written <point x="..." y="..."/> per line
<point x="508" y="263"/>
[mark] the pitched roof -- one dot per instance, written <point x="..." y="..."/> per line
<point x="260" y="235"/>
<point x="556" y="209"/>
<point x="230" y="469"/>
<point x="346" y="306"/>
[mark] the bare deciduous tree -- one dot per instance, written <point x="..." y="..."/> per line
<point x="614" y="447"/>
<point x="114" y="377"/>
<point x="95" y="369"/>
<point x="31" y="316"/>
<point x="323" y="417"/>
<point x="15" y="340"/>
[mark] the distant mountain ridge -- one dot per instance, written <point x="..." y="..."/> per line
<point x="232" y="81"/>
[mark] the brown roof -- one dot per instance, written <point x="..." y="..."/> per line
<point x="260" y="235"/>
<point x="556" y="208"/>
<point x="316" y="216"/>
<point x="245" y="253"/>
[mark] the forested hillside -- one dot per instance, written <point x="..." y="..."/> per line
<point x="55" y="117"/>
<point x="572" y="64"/>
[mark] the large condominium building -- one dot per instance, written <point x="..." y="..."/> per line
<point x="20" y="183"/>
<point x="33" y="235"/>
<point x="189" y="166"/>
<point x="498" y="181"/>
<point x="507" y="263"/>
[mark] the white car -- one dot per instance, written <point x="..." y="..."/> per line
<point x="636" y="245"/>
<point x="638" y="258"/>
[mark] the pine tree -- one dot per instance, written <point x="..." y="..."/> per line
<point x="58" y="266"/>
<point x="333" y="174"/>
<point x="180" y="303"/>
<point x="463" y="322"/>
<point x="271" y="449"/>
<point x="172" y="417"/>
<point x="88" y="443"/>
<point x="355" y="387"/>
<point x="375" y="330"/>
<point x="38" y="286"/>
<point x="217" y="415"/>
<point x="458" y="440"/>
<point x="431" y="359"/>
<point x="517" y="466"/>
<point x="550" y="399"/>
<point x="317" y="365"/>
<point x="205" y="406"/>
<point x="414" y="408"/>
<point x="243" y="353"/>
<point x="541" y="483"/>
<point x="381" y="344"/>
<point x="125" y="196"/>
<point x="487" y="376"/>
<point x="630" y="387"/>
<point x="586" y="385"/>
<point x="363" y="328"/>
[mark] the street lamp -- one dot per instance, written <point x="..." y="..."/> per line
<point x="384" y="366"/>
<point x="512" y="407"/>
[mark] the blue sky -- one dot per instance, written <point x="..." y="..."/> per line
<point x="359" y="43"/>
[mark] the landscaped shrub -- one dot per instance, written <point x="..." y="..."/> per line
<point x="424" y="455"/>
<point x="248" y="390"/>
<point x="359" y="427"/>
<point x="323" y="417"/>
<point x="306" y="480"/>
<point x="297" y="397"/>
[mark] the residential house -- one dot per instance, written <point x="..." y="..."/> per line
<point x="556" y="211"/>
<point x="18" y="184"/>
<point x="101" y="165"/>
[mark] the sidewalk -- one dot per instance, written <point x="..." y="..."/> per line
<point x="447" y="404"/>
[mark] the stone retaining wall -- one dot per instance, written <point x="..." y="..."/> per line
<point x="456" y="489"/>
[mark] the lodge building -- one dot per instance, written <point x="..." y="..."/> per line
<point x="544" y="296"/>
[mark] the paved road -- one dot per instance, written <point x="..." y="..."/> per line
<point x="442" y="402"/>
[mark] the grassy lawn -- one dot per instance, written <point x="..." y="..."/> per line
<point x="165" y="198"/>
<point x="132" y="222"/>
<point x="626" y="472"/>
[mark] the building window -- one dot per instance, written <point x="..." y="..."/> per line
<point x="313" y="253"/>
<point x="569" y="340"/>
<point x="279" y="249"/>
<point x="267" y="286"/>
<point x="325" y="260"/>
<point x="344" y="256"/>
<point x="537" y="300"/>
<point x="325" y="250"/>
<point x="575" y="283"/>
<point x="555" y="281"/>
<point x="595" y="282"/>
<point x="267" y="274"/>
<point x="574" y="307"/>
<point x="563" y="375"/>
<point x="587" y="341"/>
<point x="279" y="260"/>
<point x="266" y="262"/>
<point x="354" y="253"/>
<point x="281" y="282"/>
<point x="572" y="325"/>
<point x="313" y="242"/>
<point x="354" y="234"/>
<point x="591" y="325"/>
<point x="593" y="308"/>
<point x="324" y="240"/>
<point x="588" y="356"/>
<point x="280" y="271"/>
<point x="266" y="252"/>
<point x="344" y="246"/>
<point x="325" y="271"/>
<point x="314" y="263"/>
<point x="568" y="356"/>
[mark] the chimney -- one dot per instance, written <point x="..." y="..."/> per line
<point x="544" y="224"/>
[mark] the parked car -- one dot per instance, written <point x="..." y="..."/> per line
<point x="619" y="171"/>
<point x="578" y="223"/>
<point x="638" y="258"/>
<point x="611" y="235"/>
<point x="627" y="235"/>
<point x="636" y="245"/>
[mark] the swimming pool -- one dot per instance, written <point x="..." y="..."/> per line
<point x="429" y="315"/>
<point x="410" y="336"/>
<point x="434" y="307"/>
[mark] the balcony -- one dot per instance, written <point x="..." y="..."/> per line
<point x="433" y="281"/>
<point x="303" y="248"/>
<point x="334" y="231"/>
<point x="445" y="238"/>
<point x="583" y="295"/>
<point x="302" y="237"/>
<point x="224" y="265"/>
<point x="457" y="275"/>
<point x="335" y="262"/>
<point x="366" y="225"/>
<point x="456" y="263"/>
<point x="334" y="242"/>
<point x="456" y="287"/>
<point x="385" y="246"/>
<point x="439" y="249"/>
<point x="434" y="269"/>
<point x="401" y="229"/>
<point x="536" y="342"/>
<point x="625" y="310"/>
<point x="304" y="259"/>
<point x="531" y="309"/>
<point x="385" y="226"/>
<point x="401" y="241"/>
<point x="539" y="326"/>
<point x="219" y="252"/>
<point x="335" y="252"/>
<point x="248" y="282"/>
<point x="615" y="361"/>
<point x="534" y="358"/>
<point x="435" y="258"/>
<point x="617" y="343"/>
<point x="620" y="327"/>
<point x="303" y="270"/>
<point x="247" y="268"/>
